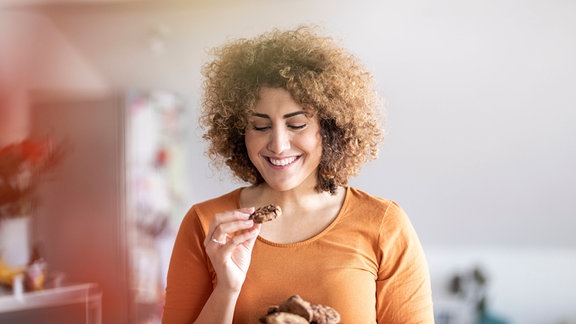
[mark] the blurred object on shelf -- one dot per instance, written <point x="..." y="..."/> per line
<point x="36" y="275"/>
<point x="8" y="273"/>
<point x="24" y="167"/>
<point x="468" y="303"/>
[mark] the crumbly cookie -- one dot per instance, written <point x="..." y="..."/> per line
<point x="297" y="310"/>
<point x="283" y="318"/>
<point x="266" y="213"/>
<point x="323" y="314"/>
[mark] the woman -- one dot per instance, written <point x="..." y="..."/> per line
<point x="295" y="116"/>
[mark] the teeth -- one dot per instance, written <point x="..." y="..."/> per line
<point x="282" y="162"/>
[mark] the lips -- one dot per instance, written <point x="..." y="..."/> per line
<point x="282" y="162"/>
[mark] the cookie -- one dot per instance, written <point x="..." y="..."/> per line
<point x="296" y="310"/>
<point x="283" y="318"/>
<point x="266" y="213"/>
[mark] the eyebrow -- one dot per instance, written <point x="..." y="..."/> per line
<point x="292" y="114"/>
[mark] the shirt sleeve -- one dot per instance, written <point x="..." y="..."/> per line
<point x="189" y="281"/>
<point x="403" y="292"/>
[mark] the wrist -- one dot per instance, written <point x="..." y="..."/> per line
<point x="224" y="290"/>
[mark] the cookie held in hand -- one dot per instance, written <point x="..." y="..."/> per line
<point x="266" y="213"/>
<point x="296" y="310"/>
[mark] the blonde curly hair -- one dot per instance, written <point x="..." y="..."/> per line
<point x="322" y="77"/>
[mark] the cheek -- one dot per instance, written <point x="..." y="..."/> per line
<point x="314" y="144"/>
<point x="253" y="143"/>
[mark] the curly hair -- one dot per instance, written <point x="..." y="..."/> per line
<point x="322" y="77"/>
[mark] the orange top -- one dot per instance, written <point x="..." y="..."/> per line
<point x="368" y="265"/>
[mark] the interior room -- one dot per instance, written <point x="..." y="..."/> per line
<point x="480" y="146"/>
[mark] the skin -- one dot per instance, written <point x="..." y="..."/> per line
<point x="285" y="146"/>
<point x="230" y="261"/>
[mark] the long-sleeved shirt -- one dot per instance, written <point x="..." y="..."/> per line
<point x="368" y="264"/>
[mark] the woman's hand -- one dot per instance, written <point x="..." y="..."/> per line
<point x="229" y="244"/>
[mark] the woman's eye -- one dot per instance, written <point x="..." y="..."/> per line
<point x="260" y="128"/>
<point x="297" y="126"/>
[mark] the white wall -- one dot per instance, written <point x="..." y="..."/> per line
<point x="481" y="100"/>
<point x="481" y="142"/>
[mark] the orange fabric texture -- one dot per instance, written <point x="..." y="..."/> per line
<point x="368" y="265"/>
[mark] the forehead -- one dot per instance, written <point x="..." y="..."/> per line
<point x="277" y="99"/>
<point x="268" y="95"/>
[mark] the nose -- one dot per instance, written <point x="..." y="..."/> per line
<point x="279" y="140"/>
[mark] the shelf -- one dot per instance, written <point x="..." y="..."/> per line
<point x="86" y="294"/>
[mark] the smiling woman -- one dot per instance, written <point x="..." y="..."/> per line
<point x="295" y="116"/>
<point x="283" y="144"/>
<point x="318" y="74"/>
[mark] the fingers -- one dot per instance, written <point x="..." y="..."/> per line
<point x="229" y="225"/>
<point x="248" y="236"/>
<point x="229" y="243"/>
<point x="223" y="231"/>
<point x="219" y="242"/>
<point x="244" y="240"/>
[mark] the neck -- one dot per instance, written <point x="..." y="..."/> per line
<point x="305" y="213"/>
<point x="292" y="201"/>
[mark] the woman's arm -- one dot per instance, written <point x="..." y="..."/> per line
<point x="403" y="287"/>
<point x="205" y="277"/>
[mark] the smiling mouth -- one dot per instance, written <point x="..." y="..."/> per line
<point x="283" y="162"/>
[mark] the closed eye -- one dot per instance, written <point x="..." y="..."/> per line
<point x="297" y="127"/>
<point x="260" y="128"/>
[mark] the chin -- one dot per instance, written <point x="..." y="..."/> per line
<point x="281" y="188"/>
<point x="287" y="186"/>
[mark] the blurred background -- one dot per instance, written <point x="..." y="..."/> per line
<point x="480" y="148"/>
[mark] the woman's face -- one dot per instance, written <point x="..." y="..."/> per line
<point x="283" y="143"/>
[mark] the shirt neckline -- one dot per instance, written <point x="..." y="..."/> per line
<point x="316" y="237"/>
